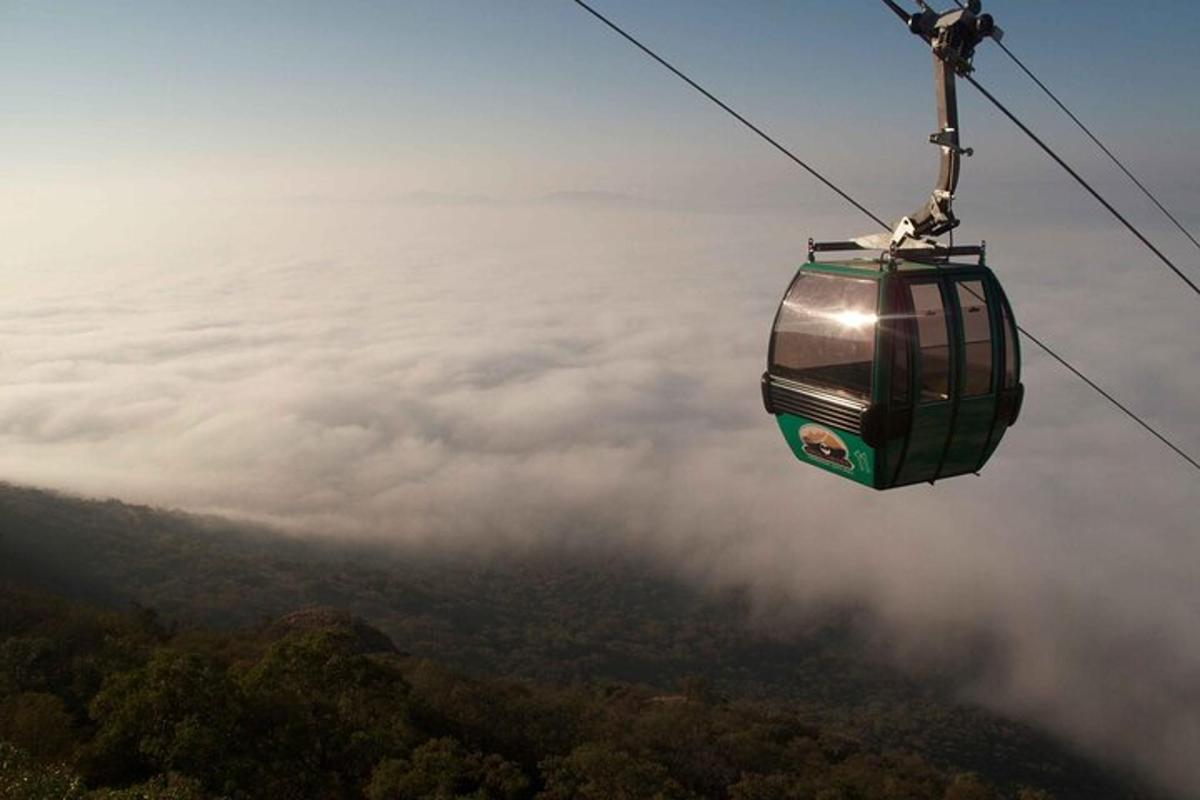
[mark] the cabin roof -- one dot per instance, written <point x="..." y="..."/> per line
<point x="874" y="268"/>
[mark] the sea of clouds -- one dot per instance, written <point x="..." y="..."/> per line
<point x="498" y="375"/>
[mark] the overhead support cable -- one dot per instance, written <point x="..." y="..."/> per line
<point x="1112" y="156"/>
<point x="1121" y="406"/>
<point x="898" y="10"/>
<point x="1042" y="345"/>
<point x="1099" y="197"/>
<point x="770" y="140"/>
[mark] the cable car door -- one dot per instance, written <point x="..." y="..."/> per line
<point x="975" y="306"/>
<point x="933" y="353"/>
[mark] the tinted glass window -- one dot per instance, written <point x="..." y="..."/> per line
<point x="1010" y="349"/>
<point x="896" y="323"/>
<point x="977" y="338"/>
<point x="825" y="334"/>
<point x="900" y="359"/>
<point x="933" y="339"/>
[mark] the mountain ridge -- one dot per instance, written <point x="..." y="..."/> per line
<point x="528" y="617"/>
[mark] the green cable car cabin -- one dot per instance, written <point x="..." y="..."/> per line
<point x="906" y="368"/>
<point x="894" y="372"/>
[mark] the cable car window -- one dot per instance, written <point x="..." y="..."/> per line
<point x="825" y="333"/>
<point x="934" y="341"/>
<point x="1010" y="349"/>
<point x="977" y="338"/>
<point x="900" y="364"/>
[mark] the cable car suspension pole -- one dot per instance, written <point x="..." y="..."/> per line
<point x="1095" y="139"/>
<point x="936" y="30"/>
<point x="953" y="37"/>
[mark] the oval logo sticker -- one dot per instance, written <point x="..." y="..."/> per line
<point x="826" y="446"/>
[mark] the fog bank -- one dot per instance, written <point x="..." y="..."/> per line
<point x="498" y="374"/>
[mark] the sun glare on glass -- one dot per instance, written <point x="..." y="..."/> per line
<point x="854" y="319"/>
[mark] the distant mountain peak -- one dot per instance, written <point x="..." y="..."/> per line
<point x="429" y="198"/>
<point x="594" y="198"/>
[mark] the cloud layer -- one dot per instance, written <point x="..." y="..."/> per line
<point x="496" y="376"/>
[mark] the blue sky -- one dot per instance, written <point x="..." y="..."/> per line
<point x="521" y="95"/>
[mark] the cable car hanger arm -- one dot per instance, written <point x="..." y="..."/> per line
<point x="952" y="37"/>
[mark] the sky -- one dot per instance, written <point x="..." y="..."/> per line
<point x="477" y="274"/>
<point x="528" y="95"/>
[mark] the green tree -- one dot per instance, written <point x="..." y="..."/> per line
<point x="39" y="724"/>
<point x="387" y="779"/>
<point x="501" y="779"/>
<point x="162" y="787"/>
<point x="699" y="689"/>
<point x="322" y="714"/>
<point x="22" y="779"/>
<point x="179" y="713"/>
<point x="23" y="663"/>
<point x="767" y="787"/>
<point x="597" y="771"/>
<point x="1034" y="794"/>
<point x="967" y="786"/>
<point x="442" y="769"/>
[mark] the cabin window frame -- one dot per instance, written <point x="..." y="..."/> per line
<point x="918" y="350"/>
<point x="957" y="286"/>
<point x="1010" y="344"/>
<point x="864" y="397"/>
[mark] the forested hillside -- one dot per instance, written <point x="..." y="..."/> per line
<point x="320" y="705"/>
<point x="597" y="634"/>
